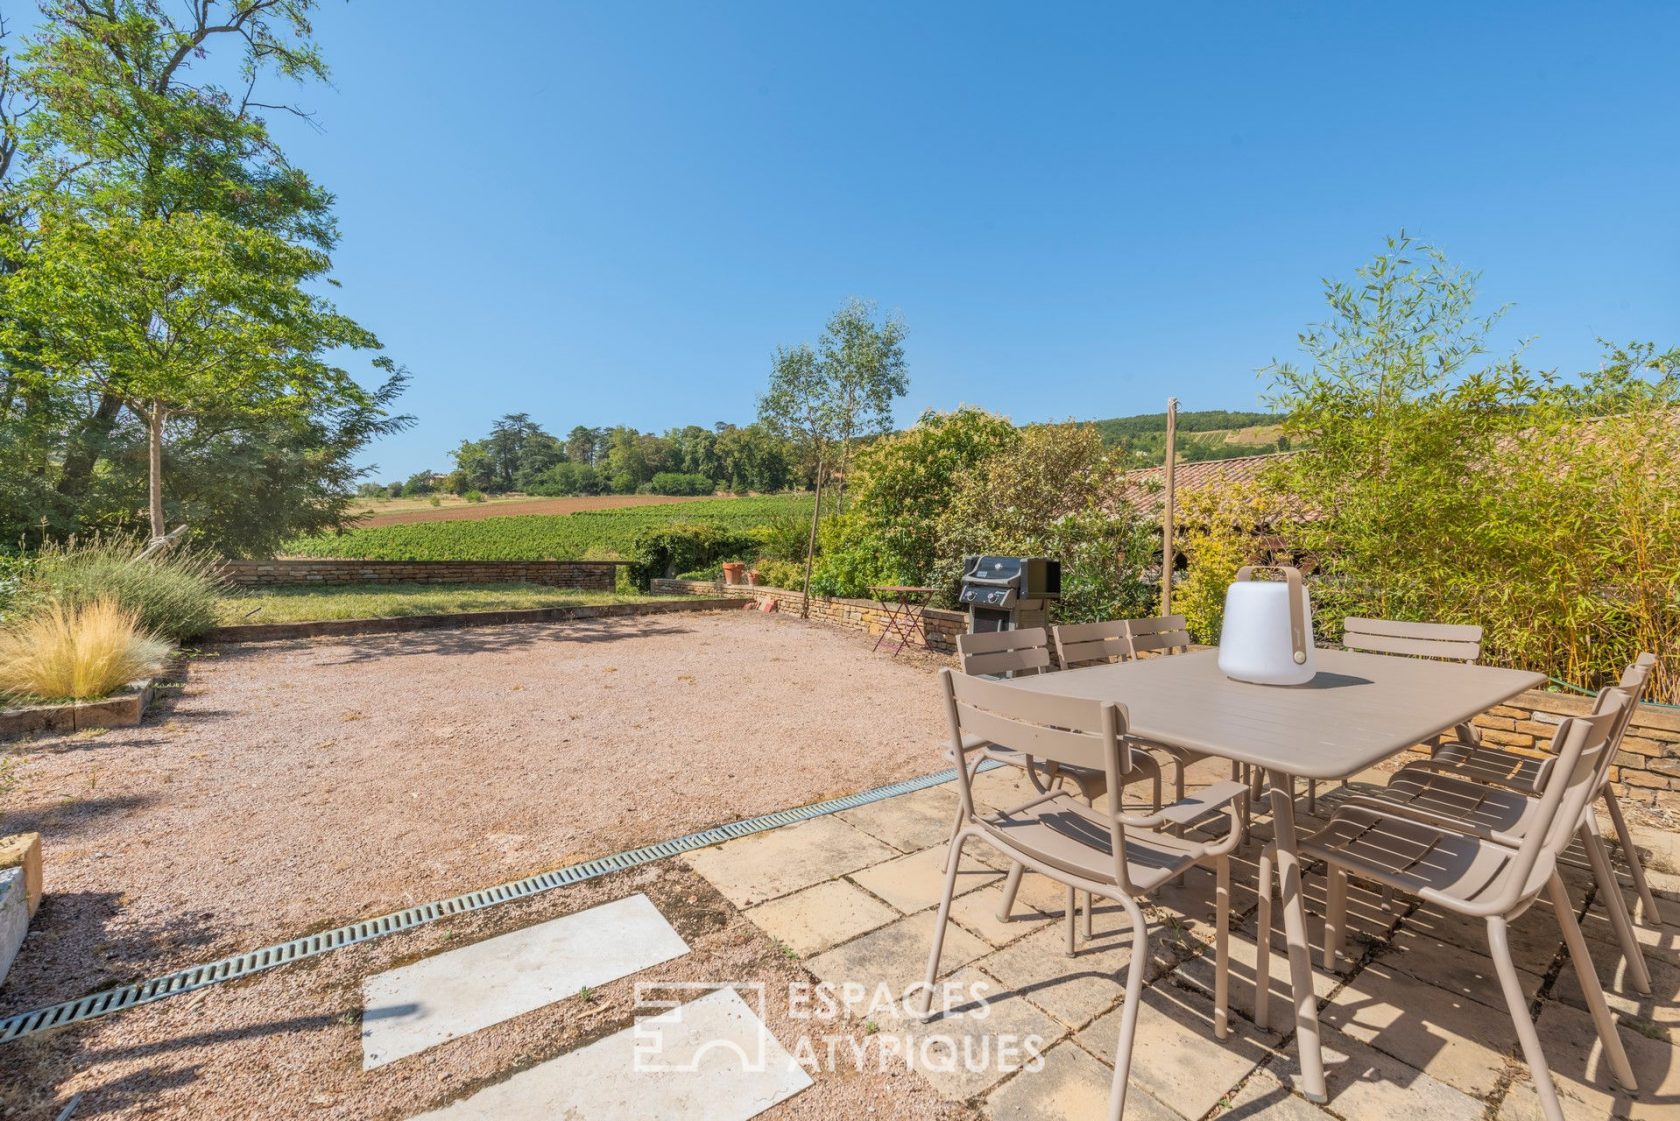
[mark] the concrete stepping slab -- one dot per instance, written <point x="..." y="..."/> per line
<point x="711" y="1059"/>
<point x="767" y="866"/>
<point x="810" y="921"/>
<point x="455" y="993"/>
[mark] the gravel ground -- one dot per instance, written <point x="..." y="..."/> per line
<point x="293" y="787"/>
<point x="287" y="1044"/>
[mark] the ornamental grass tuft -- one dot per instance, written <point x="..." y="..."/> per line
<point x="76" y="652"/>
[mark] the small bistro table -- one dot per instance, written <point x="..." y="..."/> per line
<point x="1359" y="710"/>
<point x="904" y="605"/>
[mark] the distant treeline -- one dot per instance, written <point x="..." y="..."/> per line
<point x="518" y="455"/>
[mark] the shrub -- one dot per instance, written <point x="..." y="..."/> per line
<point x="565" y="479"/>
<point x="788" y="575"/>
<point x="84" y="651"/>
<point x="783" y="539"/>
<point x="673" y="482"/>
<point x="684" y="548"/>
<point x="436" y="501"/>
<point x="474" y="496"/>
<point x="171" y="594"/>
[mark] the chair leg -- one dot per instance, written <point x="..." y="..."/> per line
<point x="939" y="923"/>
<point x="1614" y="1052"/>
<point x="1312" y="796"/>
<point x="1649" y="914"/>
<point x="1335" y="915"/>
<point x="1135" y="969"/>
<point x="1090" y="906"/>
<point x="1222" y="948"/>
<point x="1500" y="949"/>
<point x="1178" y="779"/>
<point x="1011" y="886"/>
<point x="1614" y="905"/>
<point x="1263" y="942"/>
<point x="1072" y="906"/>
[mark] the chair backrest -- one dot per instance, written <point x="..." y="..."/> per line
<point x="1581" y="743"/>
<point x="998" y="652"/>
<point x="1067" y="731"/>
<point x="1632" y="685"/>
<point x="1164" y="634"/>
<point x="1089" y="644"/>
<point x="1449" y="641"/>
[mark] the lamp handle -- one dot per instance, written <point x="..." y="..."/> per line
<point x="1299" y="639"/>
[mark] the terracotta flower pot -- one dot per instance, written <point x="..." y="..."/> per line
<point x="733" y="571"/>
<point x="755" y="577"/>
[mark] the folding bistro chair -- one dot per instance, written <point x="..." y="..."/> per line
<point x="1448" y="642"/>
<point x="1496" y="877"/>
<point x="1471" y="759"/>
<point x="1105" y="852"/>
<point x="1027" y="651"/>
<point x="1424" y="791"/>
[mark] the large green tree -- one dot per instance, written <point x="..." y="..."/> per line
<point x="162" y="260"/>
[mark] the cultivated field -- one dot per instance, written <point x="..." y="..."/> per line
<point x="402" y="511"/>
<point x="587" y="534"/>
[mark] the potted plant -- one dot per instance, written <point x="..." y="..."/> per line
<point x="733" y="571"/>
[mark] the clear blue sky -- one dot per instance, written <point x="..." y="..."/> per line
<point x="614" y="213"/>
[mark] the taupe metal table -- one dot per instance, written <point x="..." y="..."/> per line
<point x="1359" y="710"/>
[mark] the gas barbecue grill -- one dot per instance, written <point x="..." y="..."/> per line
<point x="1008" y="593"/>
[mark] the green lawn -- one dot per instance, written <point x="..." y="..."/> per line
<point x="389" y="601"/>
<point x="586" y="535"/>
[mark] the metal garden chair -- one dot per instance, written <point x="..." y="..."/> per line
<point x="1107" y="852"/>
<point x="1469" y="758"/>
<point x="1495" y="876"/>
<point x="1027" y="651"/>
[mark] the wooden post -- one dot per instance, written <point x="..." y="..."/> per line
<point x="1167" y="507"/>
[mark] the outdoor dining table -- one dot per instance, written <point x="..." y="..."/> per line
<point x="1358" y="710"/>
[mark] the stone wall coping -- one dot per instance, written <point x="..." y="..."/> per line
<point x="694" y="586"/>
<point x="386" y="560"/>
<point x="122" y="709"/>
<point x="326" y="628"/>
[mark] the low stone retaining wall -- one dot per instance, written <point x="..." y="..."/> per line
<point x="595" y="576"/>
<point x="1647" y="770"/>
<point x="941" y="627"/>
<point x="276" y="632"/>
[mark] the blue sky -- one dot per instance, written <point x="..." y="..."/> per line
<point x="613" y="213"/>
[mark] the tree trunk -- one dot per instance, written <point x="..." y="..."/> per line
<point x="154" y="455"/>
<point x="811" y="543"/>
<point x="845" y="460"/>
<point x="85" y="449"/>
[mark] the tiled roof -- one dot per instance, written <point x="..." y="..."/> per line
<point x="1143" y="488"/>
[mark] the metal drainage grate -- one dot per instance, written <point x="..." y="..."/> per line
<point x="25" y="1024"/>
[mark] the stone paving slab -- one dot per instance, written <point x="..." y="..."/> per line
<point x="910" y="822"/>
<point x="1466" y="972"/>
<point x="1660" y="1006"/>
<point x="1459" y="1041"/>
<point x="977" y="912"/>
<point x="711" y="1059"/>
<point x="810" y="921"/>
<point x="1071" y="1086"/>
<point x="916" y="882"/>
<point x="1197" y="972"/>
<point x="1263" y="1098"/>
<point x="1175" y="1056"/>
<point x="1661" y="942"/>
<point x="1365" y="1083"/>
<point x="990" y="1034"/>
<point x="455" y="993"/>
<point x="769" y="865"/>
<point x="895" y="955"/>
<point x="1583" y="1080"/>
<point x="1074" y="990"/>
